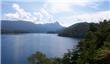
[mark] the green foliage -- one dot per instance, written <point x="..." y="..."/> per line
<point x="40" y="58"/>
<point x="77" y="30"/>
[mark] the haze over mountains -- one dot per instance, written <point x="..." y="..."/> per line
<point x="26" y="26"/>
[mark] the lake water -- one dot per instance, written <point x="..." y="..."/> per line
<point x="17" y="47"/>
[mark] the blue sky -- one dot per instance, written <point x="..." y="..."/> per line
<point x="66" y="12"/>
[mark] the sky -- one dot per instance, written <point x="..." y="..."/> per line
<point x="66" y="12"/>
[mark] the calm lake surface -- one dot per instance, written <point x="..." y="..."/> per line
<point x="17" y="47"/>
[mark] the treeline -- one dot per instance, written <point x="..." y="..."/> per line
<point x="94" y="49"/>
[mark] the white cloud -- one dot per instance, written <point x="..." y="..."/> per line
<point x="41" y="16"/>
<point x="38" y="15"/>
<point x="12" y="15"/>
<point x="57" y="6"/>
<point x="88" y="17"/>
<point x="20" y="13"/>
<point x="44" y="16"/>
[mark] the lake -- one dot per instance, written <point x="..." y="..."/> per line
<point x="17" y="47"/>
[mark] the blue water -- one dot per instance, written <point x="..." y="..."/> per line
<point x="17" y="47"/>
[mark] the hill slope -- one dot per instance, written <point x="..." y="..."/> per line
<point x="76" y="30"/>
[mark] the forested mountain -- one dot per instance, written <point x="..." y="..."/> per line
<point x="93" y="49"/>
<point x="77" y="30"/>
<point x="8" y="26"/>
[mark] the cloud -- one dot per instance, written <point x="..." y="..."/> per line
<point x="87" y="17"/>
<point x="20" y="13"/>
<point x="58" y="6"/>
<point x="44" y="16"/>
<point x="36" y="17"/>
<point x="12" y="15"/>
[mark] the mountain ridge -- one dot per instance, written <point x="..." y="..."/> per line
<point x="26" y="26"/>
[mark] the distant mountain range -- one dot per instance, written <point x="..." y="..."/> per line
<point x="8" y="26"/>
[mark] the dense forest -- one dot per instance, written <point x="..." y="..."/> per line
<point x="77" y="30"/>
<point x="93" y="49"/>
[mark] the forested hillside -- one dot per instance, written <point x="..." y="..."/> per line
<point x="77" y="30"/>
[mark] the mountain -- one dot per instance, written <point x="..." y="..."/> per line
<point x="8" y="26"/>
<point x="77" y="30"/>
